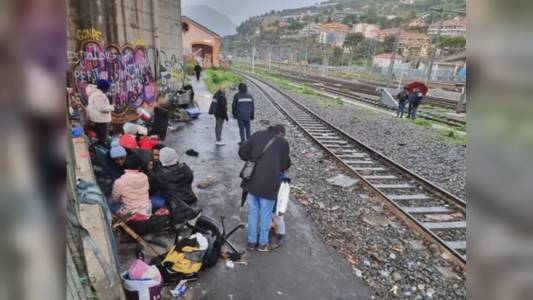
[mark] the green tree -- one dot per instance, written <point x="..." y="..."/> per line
<point x="336" y="57"/>
<point x="350" y="20"/>
<point x="352" y="40"/>
<point x="388" y="43"/>
<point x="295" y="25"/>
<point x="452" y="44"/>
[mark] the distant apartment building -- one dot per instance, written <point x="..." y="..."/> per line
<point x="333" y="34"/>
<point x="384" y="60"/>
<point x="411" y="44"/>
<point x="418" y="23"/>
<point x="451" y="27"/>
<point x="310" y="29"/>
<point x="369" y="31"/>
<point x="407" y="2"/>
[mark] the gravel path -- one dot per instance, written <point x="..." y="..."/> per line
<point x="391" y="258"/>
<point x="424" y="150"/>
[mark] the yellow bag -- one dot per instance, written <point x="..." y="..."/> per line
<point x="188" y="261"/>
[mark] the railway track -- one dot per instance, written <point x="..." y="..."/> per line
<point x="339" y="89"/>
<point x="362" y="87"/>
<point x="435" y="213"/>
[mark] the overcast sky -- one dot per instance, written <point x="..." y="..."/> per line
<point x="240" y="10"/>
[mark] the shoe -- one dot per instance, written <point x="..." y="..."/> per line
<point x="240" y="143"/>
<point x="220" y="143"/>
<point x="277" y="244"/>
<point x="264" y="248"/>
<point x="251" y="246"/>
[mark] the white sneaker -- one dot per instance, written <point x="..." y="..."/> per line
<point x="220" y="143"/>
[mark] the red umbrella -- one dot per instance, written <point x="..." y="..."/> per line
<point x="417" y="84"/>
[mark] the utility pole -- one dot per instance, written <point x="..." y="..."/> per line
<point x="393" y="58"/>
<point x="434" y="51"/>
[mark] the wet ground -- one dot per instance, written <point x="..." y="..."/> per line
<point x="304" y="268"/>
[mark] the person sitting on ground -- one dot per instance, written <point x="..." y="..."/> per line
<point x="155" y="163"/>
<point x="402" y="97"/>
<point x="273" y="152"/>
<point x="128" y="139"/>
<point x="173" y="182"/>
<point x="131" y="191"/>
<point x="99" y="109"/>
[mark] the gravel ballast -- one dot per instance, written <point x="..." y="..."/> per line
<point x="390" y="257"/>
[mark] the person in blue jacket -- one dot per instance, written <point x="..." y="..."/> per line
<point x="243" y="110"/>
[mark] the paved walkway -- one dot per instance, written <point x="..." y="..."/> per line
<point x="304" y="268"/>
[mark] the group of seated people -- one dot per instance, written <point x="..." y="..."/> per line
<point x="147" y="179"/>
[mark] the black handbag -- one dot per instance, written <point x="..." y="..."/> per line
<point x="249" y="165"/>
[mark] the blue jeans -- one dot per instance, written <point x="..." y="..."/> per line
<point x="401" y="108"/>
<point x="413" y="112"/>
<point x="259" y="208"/>
<point x="244" y="129"/>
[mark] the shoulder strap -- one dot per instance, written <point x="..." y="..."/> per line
<point x="266" y="147"/>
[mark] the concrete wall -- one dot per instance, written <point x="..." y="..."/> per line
<point x="154" y="24"/>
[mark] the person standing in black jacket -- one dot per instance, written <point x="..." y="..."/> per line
<point x="414" y="101"/>
<point x="243" y="110"/>
<point x="263" y="186"/>
<point x="198" y="71"/>
<point x="402" y="97"/>
<point x="220" y="110"/>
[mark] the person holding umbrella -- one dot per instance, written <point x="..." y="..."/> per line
<point x="417" y="90"/>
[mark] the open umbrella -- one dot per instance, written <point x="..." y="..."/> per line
<point x="417" y="84"/>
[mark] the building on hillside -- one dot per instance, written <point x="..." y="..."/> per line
<point x="333" y="34"/>
<point x="418" y="23"/>
<point x="410" y="44"/>
<point x="369" y="31"/>
<point x="200" y="42"/>
<point x="384" y="60"/>
<point x="451" y="67"/>
<point x="451" y="27"/>
<point x="310" y="29"/>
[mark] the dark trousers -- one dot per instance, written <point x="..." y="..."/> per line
<point x="244" y="129"/>
<point x="218" y="128"/>
<point x="401" y="108"/>
<point x="412" y="110"/>
<point x="197" y="76"/>
<point x="101" y="133"/>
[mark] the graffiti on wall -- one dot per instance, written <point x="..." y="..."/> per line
<point x="88" y="34"/>
<point x="127" y="69"/>
<point x="171" y="72"/>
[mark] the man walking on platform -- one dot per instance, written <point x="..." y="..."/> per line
<point x="270" y="152"/>
<point x="198" y="71"/>
<point x="219" y="108"/>
<point x="243" y="110"/>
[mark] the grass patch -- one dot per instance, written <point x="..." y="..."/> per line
<point x="422" y="122"/>
<point x="217" y="77"/>
<point x="451" y="136"/>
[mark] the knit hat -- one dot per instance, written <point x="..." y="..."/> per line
<point x="129" y="128"/>
<point x="168" y="156"/>
<point x="102" y="85"/>
<point x="117" y="151"/>
<point x="128" y="141"/>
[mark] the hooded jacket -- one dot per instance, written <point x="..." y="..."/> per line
<point x="243" y="104"/>
<point x="174" y="183"/>
<point x="221" y="110"/>
<point x="415" y="98"/>
<point x="265" y="178"/>
<point x="98" y="107"/>
<point x="131" y="189"/>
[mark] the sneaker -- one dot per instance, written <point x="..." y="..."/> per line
<point x="220" y="143"/>
<point x="277" y="244"/>
<point x="251" y="246"/>
<point x="263" y="248"/>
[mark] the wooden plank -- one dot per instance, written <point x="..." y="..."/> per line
<point x="380" y="177"/>
<point x="445" y="225"/>
<point x="367" y="169"/>
<point x="426" y="210"/>
<point x="360" y="162"/>
<point x="394" y="186"/>
<point x="409" y="197"/>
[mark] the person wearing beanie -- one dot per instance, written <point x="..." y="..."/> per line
<point x="173" y="181"/>
<point x="131" y="190"/>
<point x="99" y="109"/>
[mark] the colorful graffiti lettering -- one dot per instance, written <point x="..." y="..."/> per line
<point x="88" y="34"/>
<point x="139" y="41"/>
<point x="132" y="82"/>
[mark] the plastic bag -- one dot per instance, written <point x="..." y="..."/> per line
<point x="283" y="198"/>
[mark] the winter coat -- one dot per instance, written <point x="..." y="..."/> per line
<point x="402" y="96"/>
<point x="174" y="183"/>
<point x="415" y="98"/>
<point x="221" y="110"/>
<point x="131" y="189"/>
<point x="243" y="104"/>
<point x="265" y="178"/>
<point x="197" y="69"/>
<point x="98" y="107"/>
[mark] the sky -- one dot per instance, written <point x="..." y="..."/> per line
<point x="240" y="10"/>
